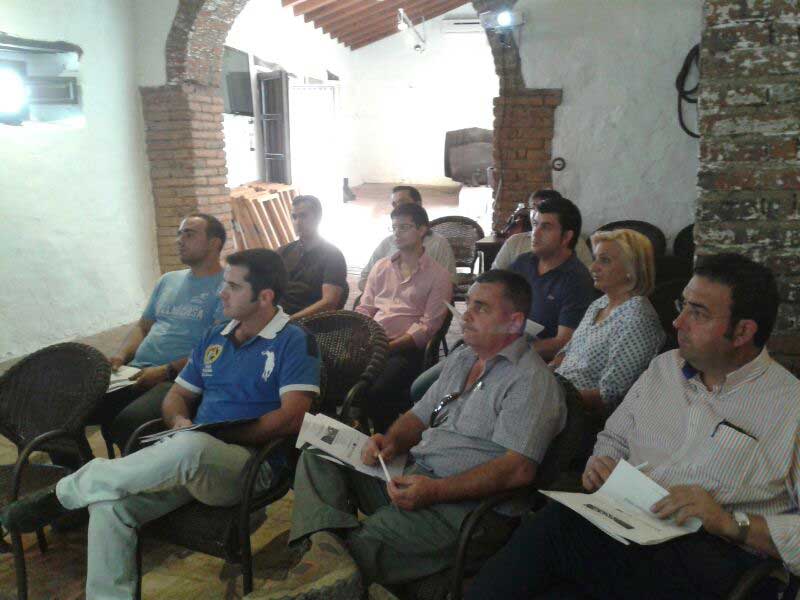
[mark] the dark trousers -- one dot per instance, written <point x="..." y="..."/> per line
<point x="388" y="397"/>
<point x="119" y="414"/>
<point x="559" y="554"/>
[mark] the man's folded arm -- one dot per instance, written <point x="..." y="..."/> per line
<point x="281" y="422"/>
<point x="132" y="341"/>
<point x="180" y="401"/>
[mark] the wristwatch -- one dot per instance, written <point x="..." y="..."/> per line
<point x="743" y="522"/>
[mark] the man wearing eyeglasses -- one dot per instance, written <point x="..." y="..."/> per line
<point x="717" y="422"/>
<point x="406" y="294"/>
<point x="481" y="429"/>
<point x="436" y="246"/>
<point x="317" y="269"/>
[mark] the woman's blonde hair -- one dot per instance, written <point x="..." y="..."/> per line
<point x="638" y="254"/>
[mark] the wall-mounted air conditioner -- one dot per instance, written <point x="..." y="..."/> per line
<point x="471" y="25"/>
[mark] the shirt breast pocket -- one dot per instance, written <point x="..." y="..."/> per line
<point x="729" y="458"/>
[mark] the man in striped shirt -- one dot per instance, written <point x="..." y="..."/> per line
<point x="718" y="423"/>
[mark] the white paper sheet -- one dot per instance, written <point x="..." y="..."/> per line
<point x="344" y="443"/>
<point x="121" y="378"/>
<point x="621" y="507"/>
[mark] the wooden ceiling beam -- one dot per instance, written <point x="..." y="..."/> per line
<point x="301" y="8"/>
<point x="378" y="19"/>
<point x="354" y="11"/>
<point x="387" y="10"/>
<point x="288" y="3"/>
<point x="327" y="11"/>
<point x="440" y="8"/>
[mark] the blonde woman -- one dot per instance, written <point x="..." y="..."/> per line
<point x="620" y="332"/>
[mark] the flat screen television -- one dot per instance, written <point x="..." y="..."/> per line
<point x="237" y="91"/>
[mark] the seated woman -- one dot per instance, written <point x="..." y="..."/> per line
<point x="620" y="332"/>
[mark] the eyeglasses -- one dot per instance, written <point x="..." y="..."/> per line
<point x="435" y="420"/>
<point x="402" y="228"/>
<point x="694" y="313"/>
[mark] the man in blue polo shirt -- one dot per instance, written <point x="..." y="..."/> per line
<point x="561" y="285"/>
<point x="258" y="366"/>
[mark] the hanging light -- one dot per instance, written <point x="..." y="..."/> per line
<point x="401" y="20"/>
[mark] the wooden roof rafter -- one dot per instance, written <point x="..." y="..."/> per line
<point x="357" y="23"/>
<point x="442" y="7"/>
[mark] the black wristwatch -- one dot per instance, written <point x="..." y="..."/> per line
<point x="172" y="372"/>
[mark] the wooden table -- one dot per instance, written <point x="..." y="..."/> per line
<point x="489" y="247"/>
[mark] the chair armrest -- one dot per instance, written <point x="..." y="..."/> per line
<point x="84" y="453"/>
<point x="144" y="428"/>
<point x="250" y="472"/>
<point x="753" y="576"/>
<point x="468" y="529"/>
<point x="353" y="398"/>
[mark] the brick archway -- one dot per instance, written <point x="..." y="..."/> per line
<point x="185" y="143"/>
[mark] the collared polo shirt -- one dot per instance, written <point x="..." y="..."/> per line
<point x="248" y="381"/>
<point x="308" y="269"/>
<point x="560" y="296"/>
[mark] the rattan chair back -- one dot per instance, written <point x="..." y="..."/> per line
<point x="353" y="348"/>
<point x="54" y="388"/>
<point x="564" y="448"/>
<point x="463" y="234"/>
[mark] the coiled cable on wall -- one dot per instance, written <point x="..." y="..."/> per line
<point x="685" y="95"/>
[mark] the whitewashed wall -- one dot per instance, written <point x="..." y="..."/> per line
<point x="77" y="234"/>
<point x="267" y="30"/>
<point x="404" y="101"/>
<point x="617" y="126"/>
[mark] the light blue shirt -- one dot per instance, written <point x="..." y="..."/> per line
<point x="182" y="307"/>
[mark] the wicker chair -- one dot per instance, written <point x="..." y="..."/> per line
<point x="463" y="234"/>
<point x="353" y="348"/>
<point x="653" y="233"/>
<point x="683" y="245"/>
<point x="558" y="460"/>
<point x="45" y="402"/>
<point x="663" y="300"/>
<point x="770" y="572"/>
<point x="431" y="356"/>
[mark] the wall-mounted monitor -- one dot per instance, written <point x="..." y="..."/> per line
<point x="237" y="89"/>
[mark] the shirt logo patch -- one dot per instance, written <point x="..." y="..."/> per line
<point x="212" y="353"/>
<point x="269" y="364"/>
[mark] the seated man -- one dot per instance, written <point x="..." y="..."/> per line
<point x="519" y="243"/>
<point x="406" y="295"/>
<point x="717" y="422"/>
<point x="183" y="305"/>
<point x="483" y="428"/>
<point x="258" y="366"/>
<point x="317" y="269"/>
<point x="561" y="285"/>
<point x="436" y="246"/>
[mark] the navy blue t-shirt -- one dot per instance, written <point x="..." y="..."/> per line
<point x="560" y="296"/>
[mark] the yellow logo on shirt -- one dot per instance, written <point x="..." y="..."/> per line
<point x="212" y="353"/>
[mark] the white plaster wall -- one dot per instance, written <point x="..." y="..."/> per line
<point x="153" y="20"/>
<point x="267" y="30"/>
<point x="617" y="127"/>
<point x="77" y="234"/>
<point x="405" y="101"/>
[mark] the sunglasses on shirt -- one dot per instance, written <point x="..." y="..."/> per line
<point x="435" y="420"/>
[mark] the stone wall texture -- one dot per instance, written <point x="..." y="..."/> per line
<point x="749" y="179"/>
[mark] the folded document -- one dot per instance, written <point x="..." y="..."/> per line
<point x="122" y="378"/>
<point x="621" y="508"/>
<point x="344" y="445"/>
<point x="205" y="427"/>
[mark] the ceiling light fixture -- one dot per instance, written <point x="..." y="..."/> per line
<point x="404" y="23"/>
<point x="502" y="19"/>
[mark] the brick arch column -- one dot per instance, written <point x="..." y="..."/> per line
<point x="185" y="143"/>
